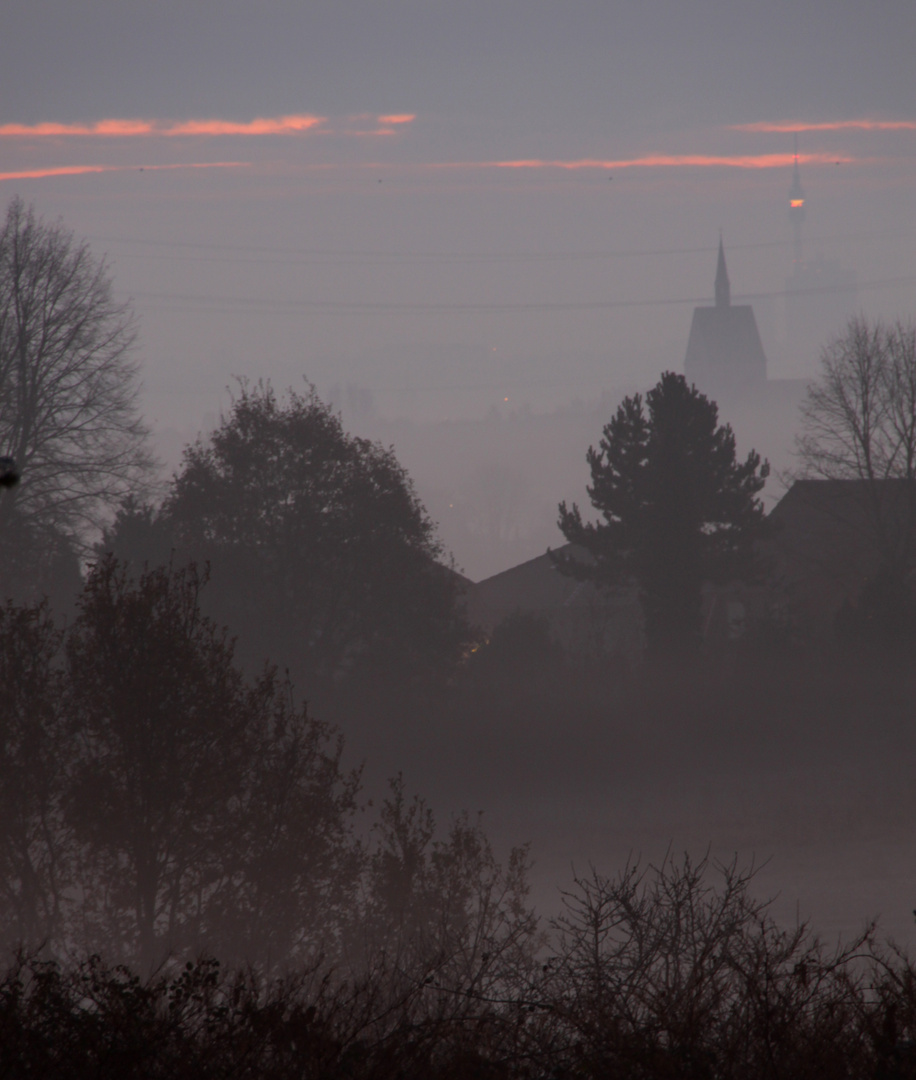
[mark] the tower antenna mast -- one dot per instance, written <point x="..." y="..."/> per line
<point x="796" y="211"/>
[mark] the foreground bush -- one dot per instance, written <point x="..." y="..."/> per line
<point x="662" y="974"/>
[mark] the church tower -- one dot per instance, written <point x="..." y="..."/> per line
<point x="725" y="356"/>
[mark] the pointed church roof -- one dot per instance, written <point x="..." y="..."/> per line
<point x="724" y="351"/>
<point x="723" y="288"/>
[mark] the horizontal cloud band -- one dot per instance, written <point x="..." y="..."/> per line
<point x="789" y="126"/>
<point x="129" y="129"/>
<point x="82" y="170"/>
<point x="746" y="161"/>
<point x="280" y="125"/>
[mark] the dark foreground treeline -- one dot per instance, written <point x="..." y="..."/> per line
<point x="666" y="974"/>
<point x="156" y="802"/>
<point x="158" y="806"/>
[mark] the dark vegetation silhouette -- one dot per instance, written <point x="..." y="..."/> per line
<point x="194" y="881"/>
<point x="68" y="408"/>
<point x="678" y="508"/>
<point x="154" y="800"/>
<point x="321" y="556"/>
<point x="157" y="803"/>
<point x="675" y="971"/>
<point x="859" y="429"/>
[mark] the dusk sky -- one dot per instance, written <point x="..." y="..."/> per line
<point x="456" y="205"/>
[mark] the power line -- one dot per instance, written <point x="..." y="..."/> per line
<point x="286" y="256"/>
<point x="189" y="302"/>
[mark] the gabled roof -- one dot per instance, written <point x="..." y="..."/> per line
<point x="536" y="586"/>
<point x="581" y="615"/>
<point x="827" y="540"/>
<point x="839" y="526"/>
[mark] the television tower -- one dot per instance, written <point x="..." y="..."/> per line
<point x="796" y="211"/>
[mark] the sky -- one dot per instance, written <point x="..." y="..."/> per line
<point x="457" y="207"/>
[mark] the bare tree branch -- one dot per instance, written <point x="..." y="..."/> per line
<point x="68" y="379"/>
<point x="859" y="425"/>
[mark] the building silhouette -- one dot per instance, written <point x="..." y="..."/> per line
<point x="725" y="355"/>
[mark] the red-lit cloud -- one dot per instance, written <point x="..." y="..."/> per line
<point x="791" y="126"/>
<point x="744" y="161"/>
<point x="129" y="129"/>
<point x="81" y="170"/>
<point x="119" y="129"/>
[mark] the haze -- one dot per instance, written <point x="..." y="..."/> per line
<point x="473" y="226"/>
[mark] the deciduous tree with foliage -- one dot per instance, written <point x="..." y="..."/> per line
<point x="212" y="811"/>
<point x="678" y="508"/>
<point x="321" y="555"/>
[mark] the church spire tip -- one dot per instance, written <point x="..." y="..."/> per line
<point x="723" y="288"/>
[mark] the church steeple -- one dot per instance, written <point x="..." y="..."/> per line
<point x="724" y="352"/>
<point x="723" y="288"/>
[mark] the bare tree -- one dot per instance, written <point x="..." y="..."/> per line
<point x="860" y="416"/>
<point x="859" y="425"/>
<point x="68" y="387"/>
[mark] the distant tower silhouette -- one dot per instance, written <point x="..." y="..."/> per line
<point x="796" y="209"/>
<point x="723" y="287"/>
<point x="724" y="353"/>
<point x="821" y="294"/>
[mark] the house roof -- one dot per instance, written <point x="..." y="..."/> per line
<point x="581" y="615"/>
<point x="821" y="516"/>
<point x="828" y="537"/>
<point x="537" y="586"/>
<point x="820" y="546"/>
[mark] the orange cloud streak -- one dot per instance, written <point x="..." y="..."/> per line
<point x="748" y="161"/>
<point x="280" y="125"/>
<point x="789" y="127"/>
<point x="81" y="170"/>
<point x="397" y="118"/>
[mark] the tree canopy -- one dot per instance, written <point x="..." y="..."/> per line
<point x="677" y="507"/>
<point x="155" y="801"/>
<point x="321" y="554"/>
